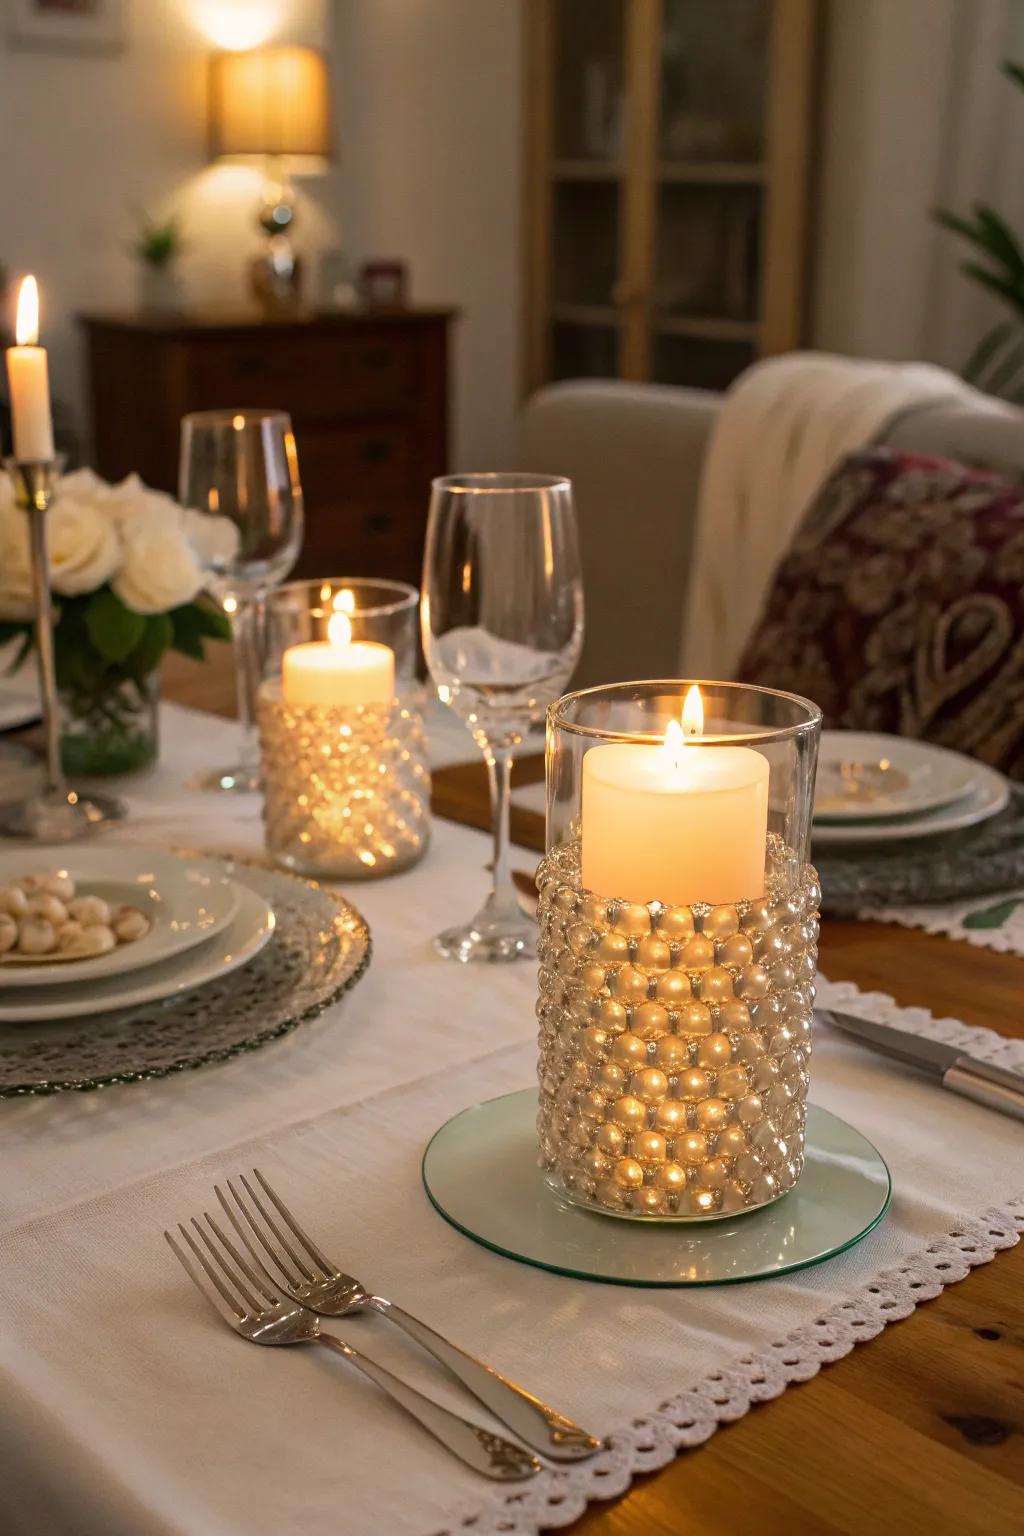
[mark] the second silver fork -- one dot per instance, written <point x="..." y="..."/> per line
<point x="312" y="1280"/>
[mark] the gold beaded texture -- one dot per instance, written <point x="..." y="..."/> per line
<point x="674" y="1043"/>
<point x="346" y="791"/>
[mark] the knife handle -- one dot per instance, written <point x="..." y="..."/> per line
<point x="992" y="1086"/>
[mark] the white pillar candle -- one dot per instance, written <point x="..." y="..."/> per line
<point x="29" y="384"/>
<point x="675" y="822"/>
<point x="338" y="671"/>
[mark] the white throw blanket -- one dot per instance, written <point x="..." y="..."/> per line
<point x="783" y="427"/>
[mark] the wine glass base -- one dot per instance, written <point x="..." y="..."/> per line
<point x="240" y="780"/>
<point x="60" y="817"/>
<point x="492" y="939"/>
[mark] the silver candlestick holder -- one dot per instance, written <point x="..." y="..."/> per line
<point x="58" y="814"/>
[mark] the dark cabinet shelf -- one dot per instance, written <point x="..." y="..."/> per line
<point x="367" y="392"/>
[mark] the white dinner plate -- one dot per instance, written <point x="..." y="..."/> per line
<point x="865" y="776"/>
<point x="187" y="901"/>
<point x="243" y="938"/>
<point x="989" y="796"/>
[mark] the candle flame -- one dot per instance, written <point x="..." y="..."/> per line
<point x="339" y="629"/>
<point x="693" y="713"/>
<point x="26" y="328"/>
<point x="345" y="602"/>
<point x="677" y="733"/>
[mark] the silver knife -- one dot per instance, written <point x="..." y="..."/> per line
<point x="995" y="1087"/>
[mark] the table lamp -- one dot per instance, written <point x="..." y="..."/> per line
<point x="272" y="104"/>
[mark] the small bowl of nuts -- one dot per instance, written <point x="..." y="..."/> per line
<point x="104" y="912"/>
<point x="46" y="919"/>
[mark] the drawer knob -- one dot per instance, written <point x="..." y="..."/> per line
<point x="376" y="450"/>
<point x="379" y="521"/>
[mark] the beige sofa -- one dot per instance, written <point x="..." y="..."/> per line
<point x="634" y="452"/>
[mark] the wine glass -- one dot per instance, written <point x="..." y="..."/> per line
<point x="502" y="621"/>
<point x="239" y="475"/>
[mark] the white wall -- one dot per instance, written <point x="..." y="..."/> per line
<point x="427" y="99"/>
<point x="430" y="99"/>
<point x="915" y="114"/>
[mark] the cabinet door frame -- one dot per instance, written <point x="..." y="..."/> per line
<point x="783" y="299"/>
<point x="785" y="214"/>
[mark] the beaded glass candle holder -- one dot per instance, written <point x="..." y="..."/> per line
<point x="346" y="784"/>
<point x="674" y="1029"/>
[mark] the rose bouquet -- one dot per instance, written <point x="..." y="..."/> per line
<point x="127" y="567"/>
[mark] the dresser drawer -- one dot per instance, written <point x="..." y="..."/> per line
<point x="343" y="461"/>
<point x="365" y="536"/>
<point x="313" y="377"/>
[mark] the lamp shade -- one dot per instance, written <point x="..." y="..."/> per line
<point x="271" y="101"/>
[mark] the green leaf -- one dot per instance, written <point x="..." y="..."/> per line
<point x="1006" y="290"/>
<point x="195" y="622"/>
<point x="114" y="630"/>
<point x="1000" y="238"/>
<point x="1007" y="371"/>
<point x="987" y="350"/>
<point x="992" y="917"/>
<point x="1014" y="72"/>
<point x="157" y="636"/>
<point x="958" y="225"/>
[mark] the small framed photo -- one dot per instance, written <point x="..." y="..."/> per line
<point x="72" y="26"/>
<point x="384" y="284"/>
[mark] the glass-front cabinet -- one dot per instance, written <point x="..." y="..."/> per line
<point x="667" y="183"/>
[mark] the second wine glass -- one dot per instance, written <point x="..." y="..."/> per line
<point x="240" y="472"/>
<point x="502" y="619"/>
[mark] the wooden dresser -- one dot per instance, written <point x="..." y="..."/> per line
<point x="368" y="396"/>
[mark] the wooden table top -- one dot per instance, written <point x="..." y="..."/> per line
<point x="920" y="1431"/>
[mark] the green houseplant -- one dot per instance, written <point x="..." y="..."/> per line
<point x="997" y="264"/>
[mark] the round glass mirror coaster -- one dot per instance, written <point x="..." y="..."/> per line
<point x="843" y="1193"/>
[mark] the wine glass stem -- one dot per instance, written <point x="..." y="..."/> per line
<point x="244" y="627"/>
<point x="499" y="768"/>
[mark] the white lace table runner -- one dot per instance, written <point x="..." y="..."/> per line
<point x="989" y="922"/>
<point x="126" y="1409"/>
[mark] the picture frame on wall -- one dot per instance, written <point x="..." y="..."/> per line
<point x="67" y="26"/>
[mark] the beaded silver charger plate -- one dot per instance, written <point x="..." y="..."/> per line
<point x="320" y="948"/>
<point x="481" y="1173"/>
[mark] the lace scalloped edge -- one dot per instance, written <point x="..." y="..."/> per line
<point x="1007" y="940"/>
<point x="558" y="1496"/>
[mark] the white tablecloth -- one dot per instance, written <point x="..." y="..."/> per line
<point x="127" y="1410"/>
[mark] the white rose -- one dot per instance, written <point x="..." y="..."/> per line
<point x="83" y="545"/>
<point x="132" y="504"/>
<point x="15" y="570"/>
<point x="84" y="485"/>
<point x="160" y="571"/>
<point x="214" y="539"/>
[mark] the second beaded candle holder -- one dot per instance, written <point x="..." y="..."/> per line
<point x="678" y="947"/>
<point x="346" y="784"/>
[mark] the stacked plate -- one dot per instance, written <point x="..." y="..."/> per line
<point x="876" y="788"/>
<point x="202" y="925"/>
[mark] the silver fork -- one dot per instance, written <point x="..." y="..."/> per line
<point x="312" y="1280"/>
<point x="252" y="1307"/>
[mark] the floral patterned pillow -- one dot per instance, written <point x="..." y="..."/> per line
<point x="900" y="606"/>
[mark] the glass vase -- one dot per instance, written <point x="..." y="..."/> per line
<point x="678" y="947"/>
<point x="109" y="728"/>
